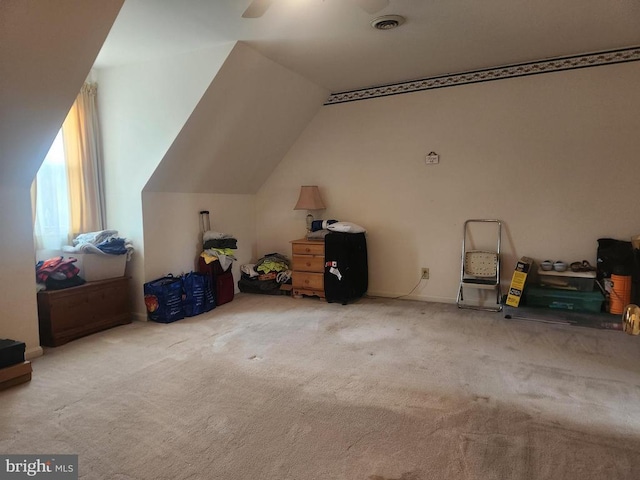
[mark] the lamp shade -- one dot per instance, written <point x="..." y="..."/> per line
<point x="309" y="199"/>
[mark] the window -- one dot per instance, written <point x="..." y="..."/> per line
<point x="68" y="190"/>
<point x="52" y="199"/>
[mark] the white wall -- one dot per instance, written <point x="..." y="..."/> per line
<point x="172" y="229"/>
<point x="554" y="156"/>
<point x="142" y="108"/>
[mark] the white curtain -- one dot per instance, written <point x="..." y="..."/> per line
<point x="68" y="190"/>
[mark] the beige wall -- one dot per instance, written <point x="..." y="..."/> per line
<point x="554" y="156"/>
<point x="42" y="67"/>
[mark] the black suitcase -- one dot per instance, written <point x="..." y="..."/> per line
<point x="346" y="273"/>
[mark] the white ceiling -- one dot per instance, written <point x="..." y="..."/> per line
<point x="331" y="42"/>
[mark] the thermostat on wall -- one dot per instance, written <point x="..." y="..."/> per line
<point x="432" y="158"/>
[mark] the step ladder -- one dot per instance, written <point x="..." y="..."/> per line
<point x="480" y="269"/>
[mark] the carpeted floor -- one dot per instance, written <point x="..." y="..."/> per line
<point x="275" y="388"/>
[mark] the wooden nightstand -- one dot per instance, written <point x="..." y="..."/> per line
<point x="308" y="267"/>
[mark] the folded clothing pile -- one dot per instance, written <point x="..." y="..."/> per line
<point x="270" y="265"/>
<point x="58" y="273"/>
<point x="103" y="242"/>
<point x="219" y="247"/>
<point x="266" y="275"/>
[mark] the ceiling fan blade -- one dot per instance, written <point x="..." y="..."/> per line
<point x="371" y="6"/>
<point x="257" y="8"/>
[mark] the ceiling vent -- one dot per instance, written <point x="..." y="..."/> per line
<point x="387" y="22"/>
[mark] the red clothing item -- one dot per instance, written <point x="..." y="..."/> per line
<point x="56" y="264"/>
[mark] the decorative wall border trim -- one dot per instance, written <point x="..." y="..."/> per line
<point x="631" y="54"/>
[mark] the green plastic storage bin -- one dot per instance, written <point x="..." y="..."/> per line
<point x="564" y="299"/>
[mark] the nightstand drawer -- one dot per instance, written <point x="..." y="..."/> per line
<point x="308" y="281"/>
<point x="308" y="263"/>
<point x="308" y="248"/>
<point x="308" y="268"/>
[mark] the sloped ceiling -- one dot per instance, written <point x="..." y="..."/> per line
<point x="244" y="124"/>
<point x="46" y="52"/>
<point x="331" y="42"/>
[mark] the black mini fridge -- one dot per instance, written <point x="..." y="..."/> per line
<point x="346" y="272"/>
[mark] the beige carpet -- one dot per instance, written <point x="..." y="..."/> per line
<point x="275" y="388"/>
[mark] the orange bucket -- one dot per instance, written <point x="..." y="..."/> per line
<point x="620" y="293"/>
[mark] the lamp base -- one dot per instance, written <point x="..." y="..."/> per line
<point x="309" y="222"/>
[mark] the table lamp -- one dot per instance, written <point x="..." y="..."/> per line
<point x="309" y="199"/>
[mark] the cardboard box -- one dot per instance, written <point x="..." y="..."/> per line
<point x="523" y="267"/>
